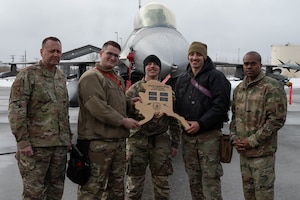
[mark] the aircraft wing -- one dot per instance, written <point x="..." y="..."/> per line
<point x="77" y="62"/>
<point x="289" y="66"/>
<point x="270" y="70"/>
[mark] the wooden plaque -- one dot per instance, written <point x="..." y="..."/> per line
<point x="157" y="98"/>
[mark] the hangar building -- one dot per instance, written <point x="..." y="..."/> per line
<point x="286" y="53"/>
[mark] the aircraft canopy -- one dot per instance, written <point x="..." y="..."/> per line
<point x="154" y="14"/>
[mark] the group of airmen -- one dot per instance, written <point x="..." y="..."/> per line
<point x="121" y="149"/>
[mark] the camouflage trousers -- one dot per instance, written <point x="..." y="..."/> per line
<point x="107" y="159"/>
<point x="202" y="164"/>
<point x="154" y="151"/>
<point x="43" y="174"/>
<point x="258" y="175"/>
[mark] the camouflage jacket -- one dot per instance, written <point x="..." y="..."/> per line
<point x="103" y="106"/>
<point x="156" y="125"/>
<point x="258" y="111"/>
<point x="39" y="108"/>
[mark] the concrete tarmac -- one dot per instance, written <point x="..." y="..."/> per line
<point x="287" y="184"/>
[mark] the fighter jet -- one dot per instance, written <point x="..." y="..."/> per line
<point x="13" y="69"/>
<point x="154" y="33"/>
<point x="289" y="65"/>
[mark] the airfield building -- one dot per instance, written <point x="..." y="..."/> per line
<point x="286" y="53"/>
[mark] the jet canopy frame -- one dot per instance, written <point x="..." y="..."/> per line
<point x="154" y="14"/>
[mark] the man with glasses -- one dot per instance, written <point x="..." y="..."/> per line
<point x="102" y="121"/>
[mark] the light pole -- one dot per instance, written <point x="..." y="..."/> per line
<point x="117" y="36"/>
<point x="120" y="41"/>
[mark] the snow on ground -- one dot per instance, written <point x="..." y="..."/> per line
<point x="296" y="82"/>
<point x="6" y="82"/>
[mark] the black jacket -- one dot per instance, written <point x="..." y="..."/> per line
<point x="193" y="105"/>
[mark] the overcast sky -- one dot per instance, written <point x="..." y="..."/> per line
<point x="230" y="28"/>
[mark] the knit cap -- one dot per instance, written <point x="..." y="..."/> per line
<point x="198" y="47"/>
<point x="152" y="58"/>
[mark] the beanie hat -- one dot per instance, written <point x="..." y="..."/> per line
<point x="152" y="58"/>
<point x="198" y="47"/>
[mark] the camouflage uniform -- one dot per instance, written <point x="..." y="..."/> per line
<point x="204" y="147"/>
<point x="150" y="145"/>
<point x="103" y="106"/>
<point x="259" y="110"/>
<point x="38" y="116"/>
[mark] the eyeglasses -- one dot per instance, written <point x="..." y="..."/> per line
<point x="110" y="54"/>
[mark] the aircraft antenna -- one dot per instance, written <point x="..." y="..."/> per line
<point x="139" y="4"/>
